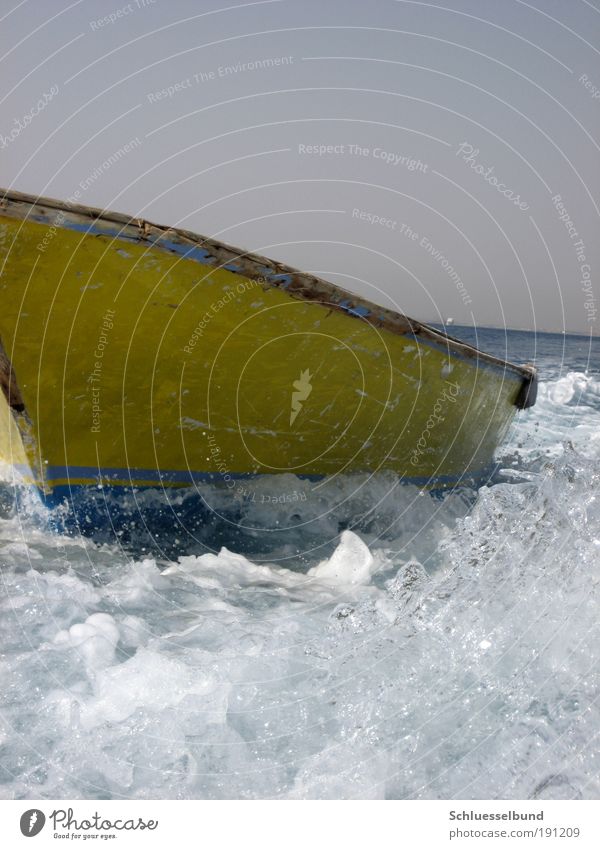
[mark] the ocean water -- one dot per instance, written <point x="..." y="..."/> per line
<point x="363" y="640"/>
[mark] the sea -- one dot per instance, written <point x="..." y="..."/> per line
<point x="367" y="640"/>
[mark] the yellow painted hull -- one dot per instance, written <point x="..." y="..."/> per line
<point x="146" y="356"/>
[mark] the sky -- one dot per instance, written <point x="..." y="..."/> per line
<point x="439" y="159"/>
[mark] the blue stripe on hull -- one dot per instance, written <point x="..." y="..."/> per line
<point x="141" y="479"/>
<point x="166" y="523"/>
<point x="74" y="492"/>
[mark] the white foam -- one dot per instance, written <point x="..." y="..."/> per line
<point x="351" y="563"/>
<point x="439" y="647"/>
<point x="149" y="681"/>
<point x="95" y="639"/>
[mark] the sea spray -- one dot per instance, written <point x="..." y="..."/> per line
<point x="434" y="648"/>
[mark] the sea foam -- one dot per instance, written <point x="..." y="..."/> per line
<point x="402" y="646"/>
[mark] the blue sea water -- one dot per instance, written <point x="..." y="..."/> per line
<point x="368" y="641"/>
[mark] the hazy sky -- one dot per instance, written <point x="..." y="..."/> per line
<point x="442" y="158"/>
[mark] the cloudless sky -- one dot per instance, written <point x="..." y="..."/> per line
<point x="411" y="152"/>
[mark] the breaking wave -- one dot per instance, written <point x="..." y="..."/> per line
<point x="402" y="647"/>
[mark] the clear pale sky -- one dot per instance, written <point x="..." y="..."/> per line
<point x="441" y="136"/>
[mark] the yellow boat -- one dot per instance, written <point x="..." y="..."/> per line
<point x="134" y="355"/>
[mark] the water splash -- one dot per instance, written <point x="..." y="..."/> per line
<point x="437" y="649"/>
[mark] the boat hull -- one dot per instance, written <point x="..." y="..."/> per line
<point x="148" y="357"/>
